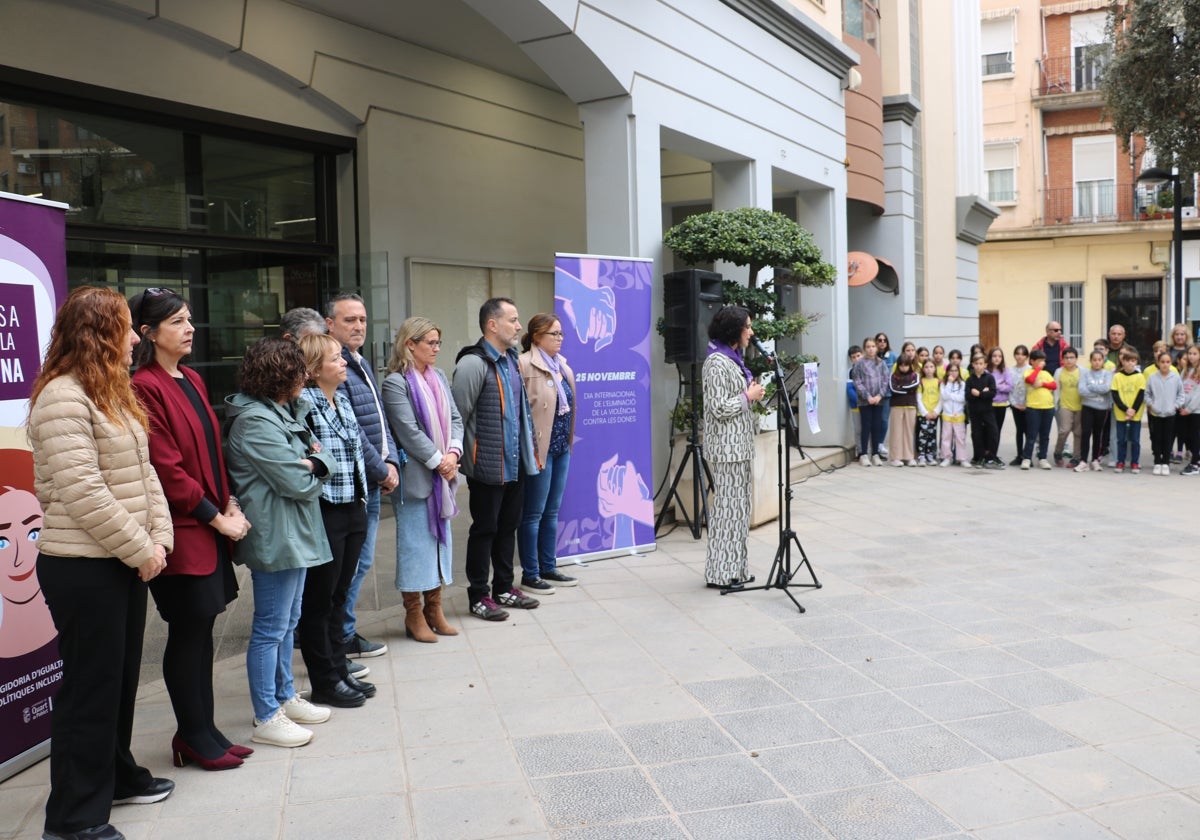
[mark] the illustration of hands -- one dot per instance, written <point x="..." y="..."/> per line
<point x="591" y="310"/>
<point x="621" y="492"/>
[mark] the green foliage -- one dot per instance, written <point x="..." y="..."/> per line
<point x="753" y="237"/>
<point x="1166" y="199"/>
<point x="1152" y="85"/>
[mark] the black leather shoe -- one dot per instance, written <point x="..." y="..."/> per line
<point x="156" y="791"/>
<point x="96" y="832"/>
<point x="365" y="688"/>
<point x="339" y="695"/>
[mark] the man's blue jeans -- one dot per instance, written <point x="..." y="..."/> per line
<point x="537" y="536"/>
<point x="277" y="597"/>
<point x="366" y="559"/>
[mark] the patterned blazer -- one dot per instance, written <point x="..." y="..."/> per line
<point x="337" y="429"/>
<point x="728" y="421"/>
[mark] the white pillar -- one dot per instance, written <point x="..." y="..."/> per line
<point x="741" y="183"/>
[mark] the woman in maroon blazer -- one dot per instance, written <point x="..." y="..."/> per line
<point x="198" y="581"/>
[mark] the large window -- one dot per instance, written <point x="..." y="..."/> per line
<point x="1094" y="162"/>
<point x="1090" y="51"/>
<point x="1066" y="307"/>
<point x="996" y="41"/>
<point x="1000" y="165"/>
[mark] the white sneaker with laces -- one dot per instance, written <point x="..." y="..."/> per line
<point x="1082" y="467"/>
<point x="1044" y="464"/>
<point x="280" y="731"/>
<point x="876" y="461"/>
<point x="301" y="711"/>
<point x="865" y="461"/>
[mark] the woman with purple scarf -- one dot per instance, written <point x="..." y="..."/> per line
<point x="426" y="425"/>
<point x="730" y="390"/>
<point x="550" y="386"/>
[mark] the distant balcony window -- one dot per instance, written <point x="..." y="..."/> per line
<point x="1095" y="201"/>
<point x="997" y="64"/>
<point x="1090" y="62"/>
<point x="996" y="46"/>
<point x="861" y="19"/>
<point x="1000" y="167"/>
<point x="1002" y="185"/>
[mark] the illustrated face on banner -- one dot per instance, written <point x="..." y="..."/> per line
<point x="25" y="622"/>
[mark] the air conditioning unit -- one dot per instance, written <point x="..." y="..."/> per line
<point x="26" y="168"/>
<point x="1190" y="213"/>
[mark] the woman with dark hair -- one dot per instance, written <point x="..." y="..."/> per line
<point x="198" y="582"/>
<point x="344" y="512"/>
<point x="884" y="352"/>
<point x="426" y="424"/>
<point x="550" y="384"/>
<point x="277" y="468"/>
<point x="107" y="531"/>
<point x="729" y="391"/>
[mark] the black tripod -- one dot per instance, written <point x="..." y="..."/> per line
<point x="782" y="572"/>
<point x="700" y="473"/>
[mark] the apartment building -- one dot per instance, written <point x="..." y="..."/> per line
<point x="1079" y="239"/>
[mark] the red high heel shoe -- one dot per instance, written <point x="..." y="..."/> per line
<point x="240" y="751"/>
<point x="184" y="755"/>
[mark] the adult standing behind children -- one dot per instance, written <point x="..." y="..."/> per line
<point x="498" y="453"/>
<point x="870" y="376"/>
<point x="1053" y="345"/>
<point x="346" y="319"/>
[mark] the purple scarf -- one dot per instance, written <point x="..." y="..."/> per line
<point x="431" y="407"/>
<point x="729" y="353"/>
<point x="555" y="365"/>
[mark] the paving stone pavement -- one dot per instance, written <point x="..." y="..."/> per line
<point x="998" y="655"/>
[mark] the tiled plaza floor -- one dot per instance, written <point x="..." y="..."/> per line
<point x="999" y="655"/>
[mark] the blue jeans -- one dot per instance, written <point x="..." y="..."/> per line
<point x="537" y="536"/>
<point x="277" y="597"/>
<point x="1129" y="433"/>
<point x="366" y="559"/>
<point x="1038" y="422"/>
<point x="872" y="428"/>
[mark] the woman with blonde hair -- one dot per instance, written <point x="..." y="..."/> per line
<point x="426" y="424"/>
<point x="107" y="532"/>
<point x="344" y="512"/>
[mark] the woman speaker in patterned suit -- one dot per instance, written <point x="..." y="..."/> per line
<point x="729" y="391"/>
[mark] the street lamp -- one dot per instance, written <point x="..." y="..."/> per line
<point x="1156" y="176"/>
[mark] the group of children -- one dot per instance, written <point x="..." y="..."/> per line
<point x="914" y="408"/>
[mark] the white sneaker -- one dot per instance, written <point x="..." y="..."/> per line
<point x="912" y="463"/>
<point x="945" y="462"/>
<point x="1082" y="467"/>
<point x="280" y="731"/>
<point x="876" y="461"/>
<point x="1097" y="466"/>
<point x="1025" y="463"/>
<point x="896" y="462"/>
<point x="301" y="711"/>
<point x="1046" y="465"/>
<point x="865" y="460"/>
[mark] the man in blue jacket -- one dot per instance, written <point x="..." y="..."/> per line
<point x="497" y="454"/>
<point x="346" y="318"/>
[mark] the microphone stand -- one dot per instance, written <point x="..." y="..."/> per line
<point x="782" y="571"/>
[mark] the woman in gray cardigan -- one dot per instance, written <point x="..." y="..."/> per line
<point x="729" y="391"/>
<point x="426" y="424"/>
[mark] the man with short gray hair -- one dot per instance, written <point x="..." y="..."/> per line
<point x="301" y="321"/>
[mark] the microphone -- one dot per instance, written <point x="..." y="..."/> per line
<point x="762" y="350"/>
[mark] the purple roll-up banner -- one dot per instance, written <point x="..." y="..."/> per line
<point x="604" y="305"/>
<point x="33" y="283"/>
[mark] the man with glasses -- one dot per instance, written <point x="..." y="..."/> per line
<point x="1053" y="345"/>
<point x="497" y="455"/>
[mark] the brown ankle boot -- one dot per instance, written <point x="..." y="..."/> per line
<point x="435" y="617"/>
<point x="414" y="620"/>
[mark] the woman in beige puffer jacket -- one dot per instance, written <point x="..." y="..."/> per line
<point x="107" y="531"/>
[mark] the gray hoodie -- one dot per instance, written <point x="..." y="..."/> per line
<point x="1164" y="394"/>
<point x="1095" y="388"/>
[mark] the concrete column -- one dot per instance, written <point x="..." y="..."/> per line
<point x="741" y="183"/>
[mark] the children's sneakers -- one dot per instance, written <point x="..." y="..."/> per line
<point x="1191" y="469"/>
<point x="1081" y="466"/>
<point x="1119" y="467"/>
<point x="1136" y="469"/>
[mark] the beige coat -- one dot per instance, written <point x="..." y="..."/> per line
<point x="99" y="494"/>
<point x="543" y="398"/>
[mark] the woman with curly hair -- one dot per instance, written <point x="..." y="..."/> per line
<point x="730" y="389"/>
<point x="107" y="531"/>
<point x="277" y="468"/>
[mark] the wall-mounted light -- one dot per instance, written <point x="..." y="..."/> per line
<point x="853" y="80"/>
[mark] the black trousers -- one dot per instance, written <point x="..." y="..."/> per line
<point x="984" y="435"/>
<point x="99" y="609"/>
<point x="495" y="515"/>
<point x="1189" y="431"/>
<point x="1018" y="416"/>
<point x="323" y="605"/>
<point x="1162" y="433"/>
<point x="1094" y="421"/>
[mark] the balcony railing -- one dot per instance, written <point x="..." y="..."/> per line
<point x="1096" y="202"/>
<point x="1081" y="72"/>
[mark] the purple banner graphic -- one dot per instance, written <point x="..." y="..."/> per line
<point x="604" y="305"/>
<point x="33" y="280"/>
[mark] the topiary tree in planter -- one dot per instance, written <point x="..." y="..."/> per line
<point x="759" y="239"/>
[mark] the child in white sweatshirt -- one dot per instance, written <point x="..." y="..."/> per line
<point x="954" y="418"/>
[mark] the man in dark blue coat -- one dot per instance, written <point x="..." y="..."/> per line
<point x="346" y="319"/>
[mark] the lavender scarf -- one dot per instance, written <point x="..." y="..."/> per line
<point x="555" y="365"/>
<point x="729" y="353"/>
<point x="431" y="406"/>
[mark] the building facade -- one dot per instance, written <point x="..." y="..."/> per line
<point x="1078" y="240"/>
<point x="259" y="154"/>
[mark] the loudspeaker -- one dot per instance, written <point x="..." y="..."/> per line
<point x="690" y="299"/>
